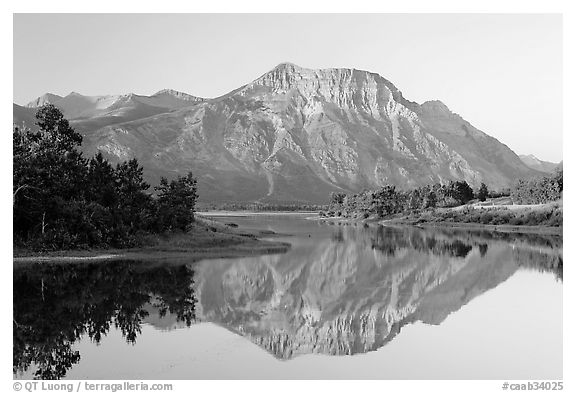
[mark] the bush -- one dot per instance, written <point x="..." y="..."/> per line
<point x="538" y="190"/>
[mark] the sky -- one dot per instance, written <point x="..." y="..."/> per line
<point x="501" y="72"/>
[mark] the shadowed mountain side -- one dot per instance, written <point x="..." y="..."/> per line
<point x="23" y="116"/>
<point x="295" y="134"/>
<point x="341" y="296"/>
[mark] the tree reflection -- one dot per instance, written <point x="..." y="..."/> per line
<point x="483" y="248"/>
<point x="388" y="240"/>
<point x="55" y="305"/>
<point x="541" y="261"/>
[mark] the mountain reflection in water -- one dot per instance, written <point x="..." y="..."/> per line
<point x="348" y="292"/>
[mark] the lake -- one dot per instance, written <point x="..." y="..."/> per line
<point x="345" y="302"/>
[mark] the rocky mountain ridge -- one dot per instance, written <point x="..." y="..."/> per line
<point x="293" y="134"/>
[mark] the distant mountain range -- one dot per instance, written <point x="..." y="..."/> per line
<point x="294" y="134"/>
<point x="535" y="163"/>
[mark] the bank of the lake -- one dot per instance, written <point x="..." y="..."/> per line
<point x="542" y="219"/>
<point x="206" y="238"/>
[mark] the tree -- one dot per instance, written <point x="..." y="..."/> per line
<point x="538" y="190"/>
<point x="101" y="181"/>
<point x="461" y="191"/>
<point x="61" y="200"/>
<point x="176" y="202"/>
<point x="337" y="198"/>
<point x="415" y="199"/>
<point x="482" y="192"/>
<point x="53" y="124"/>
<point x="386" y="201"/>
<point x="47" y="170"/>
<point x="134" y="202"/>
<point x="430" y="199"/>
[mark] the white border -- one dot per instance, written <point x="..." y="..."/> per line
<point x="305" y="6"/>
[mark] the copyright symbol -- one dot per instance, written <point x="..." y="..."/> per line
<point x="17" y="386"/>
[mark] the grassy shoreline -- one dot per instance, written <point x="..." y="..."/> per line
<point x="206" y="239"/>
<point x="531" y="218"/>
<point x="539" y="229"/>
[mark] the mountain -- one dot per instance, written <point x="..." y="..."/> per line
<point x="537" y="164"/>
<point x="294" y="134"/>
<point x="88" y="113"/>
<point x="47" y="98"/>
<point x="24" y="116"/>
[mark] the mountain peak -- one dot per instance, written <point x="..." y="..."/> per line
<point x="177" y="94"/>
<point x="436" y="108"/>
<point x="289" y="75"/>
<point x="44" y="99"/>
<point x="436" y="105"/>
<point x="171" y="92"/>
<point x="287" y="66"/>
<point x="74" y="94"/>
<point x="535" y="163"/>
<point x="346" y="87"/>
<point x="529" y="157"/>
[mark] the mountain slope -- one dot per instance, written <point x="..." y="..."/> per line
<point x="537" y="164"/>
<point x="23" y="116"/>
<point x="297" y="134"/>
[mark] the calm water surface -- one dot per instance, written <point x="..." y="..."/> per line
<point x="345" y="302"/>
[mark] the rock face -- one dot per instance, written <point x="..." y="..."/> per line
<point x="294" y="134"/>
<point x="537" y="164"/>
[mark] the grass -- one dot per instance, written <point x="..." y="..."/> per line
<point x="542" y="216"/>
<point x="529" y="219"/>
<point x="205" y="239"/>
<point x="494" y="214"/>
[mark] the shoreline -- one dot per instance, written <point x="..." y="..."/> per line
<point x="247" y="213"/>
<point x="263" y="247"/>
<point x="537" y="229"/>
<point x="229" y="242"/>
<point x="208" y="239"/>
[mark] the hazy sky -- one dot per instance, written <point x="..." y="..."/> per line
<point x="503" y="73"/>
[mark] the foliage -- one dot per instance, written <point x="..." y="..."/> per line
<point x="546" y="216"/>
<point x="56" y="305"/>
<point x="538" y="190"/>
<point x="482" y="192"/>
<point x="276" y="206"/>
<point x="336" y="198"/>
<point x="62" y="200"/>
<point x="461" y="191"/>
<point x="388" y="201"/>
<point x="176" y="201"/>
